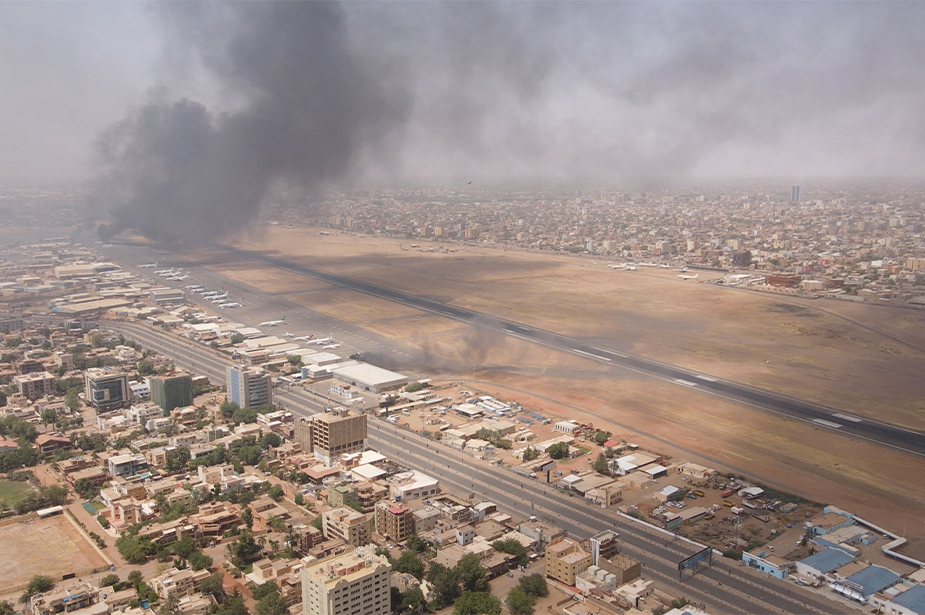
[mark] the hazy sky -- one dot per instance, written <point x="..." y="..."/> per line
<point x="463" y="90"/>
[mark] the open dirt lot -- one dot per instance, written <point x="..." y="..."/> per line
<point x="52" y="546"/>
<point x="864" y="359"/>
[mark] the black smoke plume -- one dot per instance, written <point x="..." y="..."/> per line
<point x="312" y="107"/>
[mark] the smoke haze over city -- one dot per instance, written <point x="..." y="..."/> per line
<point x="201" y="108"/>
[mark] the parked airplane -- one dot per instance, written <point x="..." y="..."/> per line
<point x="210" y="294"/>
<point x="194" y="287"/>
<point x="323" y="340"/>
<point x="623" y="266"/>
<point x="272" y="323"/>
<point x="163" y="272"/>
<point x="182" y="277"/>
<point x="631" y="267"/>
<point x="332" y="346"/>
<point x="148" y="266"/>
<point x="287" y="334"/>
<point x="231" y="305"/>
<point x="304" y="338"/>
<point x="167" y="272"/>
<point x="220" y="297"/>
<point x="688" y="277"/>
<point x="683" y="269"/>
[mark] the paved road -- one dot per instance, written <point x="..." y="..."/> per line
<point x="892" y="436"/>
<point x="724" y="588"/>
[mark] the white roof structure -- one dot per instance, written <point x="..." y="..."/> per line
<point x="369" y="377"/>
<point x="368" y="472"/>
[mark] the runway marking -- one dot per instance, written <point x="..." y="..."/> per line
<point x="588" y="354"/>
<point x="826" y="423"/>
<point x="605" y="351"/>
<point x="847" y="417"/>
<point x="686" y="383"/>
<point x="707" y="378"/>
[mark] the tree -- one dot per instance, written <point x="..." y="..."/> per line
<point x="414" y="387"/>
<point x="145" y="367"/>
<point x="171" y="606"/>
<point x="445" y="583"/>
<point x="600" y="437"/>
<point x="395" y="596"/>
<point x="559" y="450"/>
<point x="535" y="585"/>
<point x="177" y="459"/>
<point x="135" y="578"/>
<point x="109" y="579"/>
<point x="601" y="464"/>
<point x="244" y="550"/>
<point x="476" y="603"/>
<point x="276" y="492"/>
<point x="5" y="607"/>
<point x="512" y="547"/>
<point x="270" y="440"/>
<point x="530" y="454"/>
<point x="417" y="544"/>
<point x="228" y="409"/>
<point x="410" y="563"/>
<point x="133" y="549"/>
<point x="232" y="605"/>
<point x="471" y="574"/>
<point x="236" y="338"/>
<point x="86" y="488"/>
<point x="247" y="517"/>
<point x="271" y="604"/>
<point x="72" y="401"/>
<point x="184" y="547"/>
<point x="519" y="601"/>
<point x="213" y="585"/>
<point x="265" y="589"/>
<point x="299" y="499"/>
<point x="39" y="583"/>
<point x="412" y="599"/>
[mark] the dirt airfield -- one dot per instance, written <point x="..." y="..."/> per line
<point x="866" y="359"/>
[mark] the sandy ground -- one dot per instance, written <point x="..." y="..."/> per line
<point x="51" y="546"/>
<point x="865" y="359"/>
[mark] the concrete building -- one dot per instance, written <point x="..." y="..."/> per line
<point x="126" y="465"/>
<point x="35" y="385"/>
<point x="337" y="433"/>
<point x="71" y="597"/>
<point x="141" y="413"/>
<point x="249" y="388"/>
<point x="354" y="583"/>
<point x="370" y="377"/>
<point x="178" y="582"/>
<point x="106" y="389"/>
<point x="353" y="527"/>
<point x="394" y="521"/>
<point x="173" y="391"/>
<point x="565" y="560"/>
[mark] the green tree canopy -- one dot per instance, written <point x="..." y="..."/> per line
<point x="512" y="547"/>
<point x="535" y="585"/>
<point x="410" y="563"/>
<point x="476" y="603"/>
<point x="519" y="601"/>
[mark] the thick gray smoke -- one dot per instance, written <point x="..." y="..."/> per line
<point x="311" y="107"/>
<point x="313" y="93"/>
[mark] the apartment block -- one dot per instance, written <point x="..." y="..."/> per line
<point x="394" y="521"/>
<point x="353" y="583"/>
<point x="35" y="385"/>
<point x="565" y="560"/>
<point x="172" y="391"/>
<point x="353" y="527"/>
<point x="337" y="433"/>
<point x="249" y="388"/>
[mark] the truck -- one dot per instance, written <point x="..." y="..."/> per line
<point x="727" y="493"/>
<point x="698" y="493"/>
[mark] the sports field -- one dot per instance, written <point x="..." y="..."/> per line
<point x="12" y="491"/>
<point x="52" y="546"/>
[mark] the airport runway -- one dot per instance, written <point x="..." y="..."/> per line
<point x="725" y="587"/>
<point x="814" y="415"/>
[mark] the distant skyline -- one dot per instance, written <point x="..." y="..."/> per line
<point x="496" y="92"/>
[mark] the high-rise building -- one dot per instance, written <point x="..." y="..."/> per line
<point x="353" y="583"/>
<point x="354" y="528"/>
<point x="337" y="433"/>
<point x="106" y="389"/>
<point x="173" y="391"/>
<point x="565" y="560"/>
<point x="394" y="521"/>
<point x="249" y="388"/>
<point x="795" y="194"/>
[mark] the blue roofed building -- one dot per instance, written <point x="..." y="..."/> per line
<point x="861" y="585"/>
<point x="823" y="562"/>
<point x="761" y="558"/>
<point x="900" y="600"/>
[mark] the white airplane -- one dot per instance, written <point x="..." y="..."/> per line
<point x="332" y="346"/>
<point x="163" y="272"/>
<point x="623" y="266"/>
<point x="234" y="304"/>
<point x="194" y="287"/>
<point x="204" y="290"/>
<point x="688" y="277"/>
<point x="272" y="323"/>
<point x="304" y="338"/>
<point x="148" y="266"/>
<point x="323" y="340"/>
<point x="631" y="267"/>
<point x="287" y="334"/>
<point x="219" y="297"/>
<point x="683" y="269"/>
<point x="182" y="277"/>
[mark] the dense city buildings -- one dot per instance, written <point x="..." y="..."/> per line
<point x="171" y="391"/>
<point x="355" y="583"/>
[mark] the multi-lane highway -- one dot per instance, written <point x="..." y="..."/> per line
<point x="893" y="436"/>
<point x="725" y="587"/>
